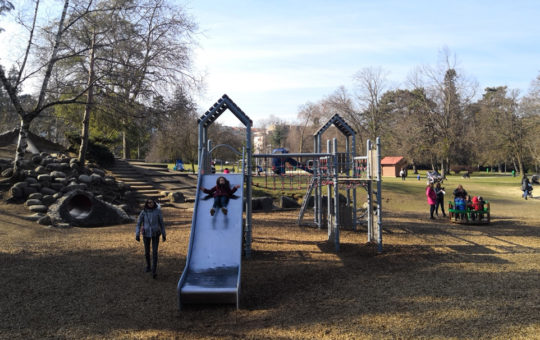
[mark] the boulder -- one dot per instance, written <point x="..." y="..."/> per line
<point x="30" y="180"/>
<point x="7" y="172"/>
<point x="48" y="191"/>
<point x="41" y="170"/>
<point x="61" y="180"/>
<point x="38" y="208"/>
<point x="33" y="217"/>
<point x="36" y="196"/>
<point x="32" y="201"/>
<point x="98" y="172"/>
<point x="287" y="202"/>
<point x="20" y="185"/>
<point x="45" y="220"/>
<point x="84" y="179"/>
<point x="262" y="203"/>
<point x="36" y="159"/>
<point x="48" y="200"/>
<point x="17" y="193"/>
<point x="55" y="174"/>
<point x="95" y="178"/>
<point x="176" y="197"/>
<point x="29" y="173"/>
<point x="80" y="208"/>
<point x="58" y="166"/>
<point x="29" y="190"/>
<point x="56" y="186"/>
<point x="44" y="178"/>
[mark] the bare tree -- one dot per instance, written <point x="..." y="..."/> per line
<point x="371" y="85"/>
<point x="45" y="70"/>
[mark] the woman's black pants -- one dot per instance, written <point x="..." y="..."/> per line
<point x="155" y="244"/>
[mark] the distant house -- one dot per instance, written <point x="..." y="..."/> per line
<point x="392" y="165"/>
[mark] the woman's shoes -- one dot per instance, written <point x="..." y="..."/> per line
<point x="212" y="211"/>
<point x="224" y="210"/>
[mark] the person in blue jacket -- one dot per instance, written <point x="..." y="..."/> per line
<point x="150" y="225"/>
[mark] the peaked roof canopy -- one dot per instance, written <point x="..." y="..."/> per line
<point x="219" y="107"/>
<point x="339" y="123"/>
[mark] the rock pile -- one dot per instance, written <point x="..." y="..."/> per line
<point x="45" y="179"/>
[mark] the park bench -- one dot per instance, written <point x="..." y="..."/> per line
<point x="468" y="215"/>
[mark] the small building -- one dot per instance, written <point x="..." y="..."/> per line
<point x="391" y="166"/>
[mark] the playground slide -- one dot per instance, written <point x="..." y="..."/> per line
<point x="213" y="264"/>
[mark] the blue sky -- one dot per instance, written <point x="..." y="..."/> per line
<point x="271" y="57"/>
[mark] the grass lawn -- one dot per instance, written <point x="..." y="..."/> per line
<point x="434" y="279"/>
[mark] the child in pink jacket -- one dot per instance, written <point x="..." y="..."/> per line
<point x="431" y="199"/>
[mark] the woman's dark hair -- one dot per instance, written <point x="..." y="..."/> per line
<point x="226" y="184"/>
<point x="148" y="200"/>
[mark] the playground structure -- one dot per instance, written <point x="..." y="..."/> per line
<point x="213" y="265"/>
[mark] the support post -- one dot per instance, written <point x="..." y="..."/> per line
<point x="379" y="195"/>
<point x="248" y="226"/>
<point x="336" y="195"/>
<point x="369" y="193"/>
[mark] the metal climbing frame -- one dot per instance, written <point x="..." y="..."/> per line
<point x="205" y="147"/>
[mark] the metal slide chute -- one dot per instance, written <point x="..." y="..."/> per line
<point x="213" y="263"/>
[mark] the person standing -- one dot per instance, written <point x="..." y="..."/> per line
<point x="403" y="174"/>
<point x="439" y="191"/>
<point x="525" y="184"/>
<point x="431" y="199"/>
<point x="150" y="225"/>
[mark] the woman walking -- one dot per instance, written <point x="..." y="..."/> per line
<point x="150" y="225"/>
<point x="431" y="199"/>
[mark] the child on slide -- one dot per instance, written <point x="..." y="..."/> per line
<point x="222" y="192"/>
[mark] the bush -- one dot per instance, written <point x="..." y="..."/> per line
<point x="456" y="169"/>
<point x="96" y="152"/>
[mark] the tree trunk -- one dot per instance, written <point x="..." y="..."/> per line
<point x="125" y="151"/>
<point x="89" y="104"/>
<point x="22" y="144"/>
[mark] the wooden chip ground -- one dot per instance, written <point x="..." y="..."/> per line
<point x="434" y="280"/>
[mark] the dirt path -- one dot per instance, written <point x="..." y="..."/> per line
<point x="433" y="280"/>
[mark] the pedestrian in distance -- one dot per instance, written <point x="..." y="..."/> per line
<point x="431" y="199"/>
<point x="403" y="174"/>
<point x="222" y="192"/>
<point x="439" y="191"/>
<point x="150" y="225"/>
<point x="526" y="186"/>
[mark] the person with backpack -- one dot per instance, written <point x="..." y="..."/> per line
<point x="150" y="225"/>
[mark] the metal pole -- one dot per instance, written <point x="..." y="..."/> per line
<point x="336" y="196"/>
<point x="355" y="175"/>
<point x="369" y="194"/>
<point x="318" y="198"/>
<point x="328" y="195"/>
<point x="379" y="195"/>
<point x="248" y="229"/>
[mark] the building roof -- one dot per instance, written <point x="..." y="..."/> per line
<point x="391" y="160"/>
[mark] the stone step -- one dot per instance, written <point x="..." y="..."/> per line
<point x="142" y="187"/>
<point x="150" y="165"/>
